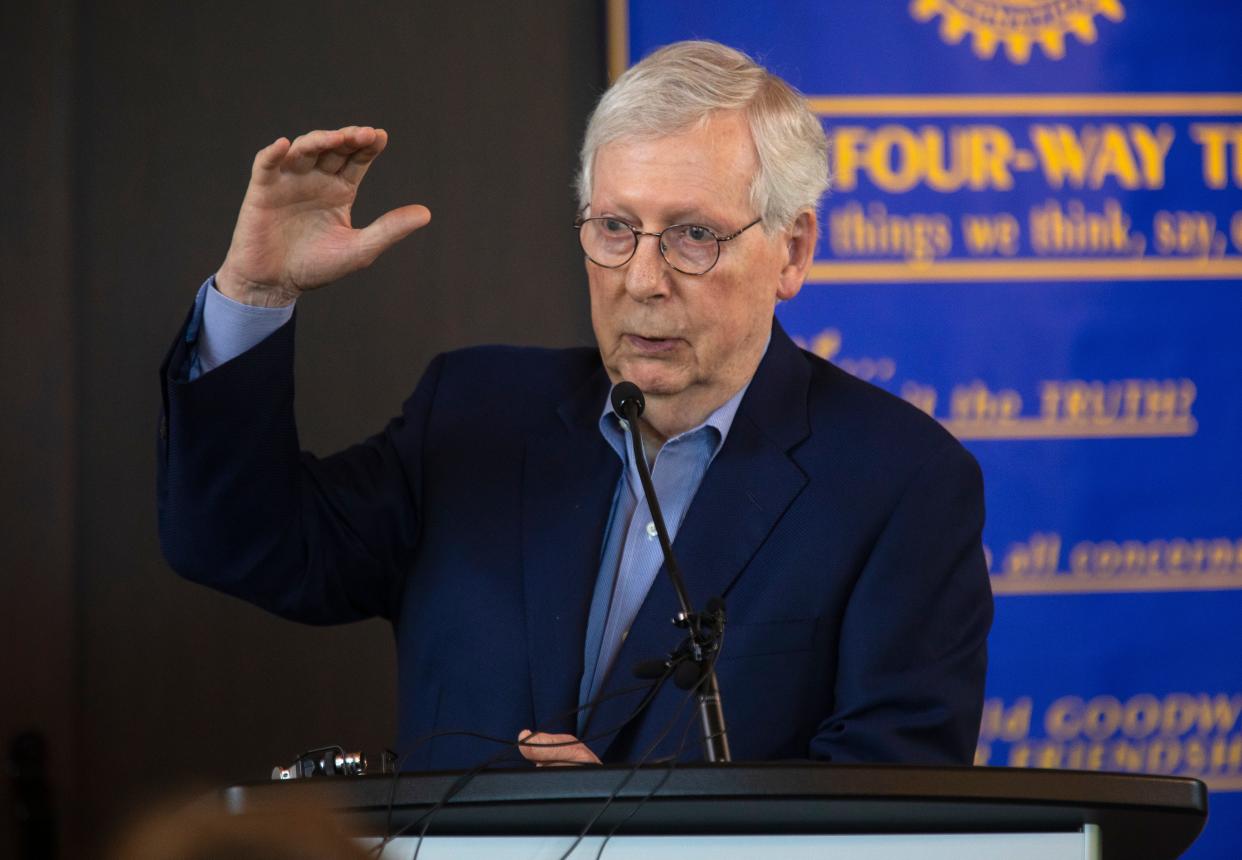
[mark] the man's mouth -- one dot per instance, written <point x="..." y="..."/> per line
<point x="651" y="345"/>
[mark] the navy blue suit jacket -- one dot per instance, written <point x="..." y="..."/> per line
<point x="840" y="525"/>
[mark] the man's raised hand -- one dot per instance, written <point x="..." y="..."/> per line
<point x="294" y="232"/>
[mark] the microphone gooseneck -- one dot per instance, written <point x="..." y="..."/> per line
<point x="694" y="661"/>
<point x="628" y="401"/>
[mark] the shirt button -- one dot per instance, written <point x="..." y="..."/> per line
<point x="651" y="531"/>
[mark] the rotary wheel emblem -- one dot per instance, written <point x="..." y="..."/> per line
<point x="1017" y="24"/>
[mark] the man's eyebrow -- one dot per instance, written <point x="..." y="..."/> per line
<point x="617" y="212"/>
<point x="694" y="216"/>
<point x="686" y="215"/>
<point x="678" y="216"/>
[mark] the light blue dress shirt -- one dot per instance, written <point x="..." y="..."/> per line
<point x="221" y="329"/>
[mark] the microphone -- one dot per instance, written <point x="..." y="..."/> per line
<point x="686" y="673"/>
<point x="625" y="394"/>
<point x="651" y="670"/>
<point x="692" y="666"/>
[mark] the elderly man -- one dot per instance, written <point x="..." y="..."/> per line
<point x="499" y="522"/>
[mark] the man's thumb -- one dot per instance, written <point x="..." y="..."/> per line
<point x="391" y="227"/>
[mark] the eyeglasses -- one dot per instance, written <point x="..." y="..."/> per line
<point x="691" y="249"/>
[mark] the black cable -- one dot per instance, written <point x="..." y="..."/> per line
<point x="399" y="764"/>
<point x="397" y="772"/>
<point x="389" y="835"/>
<point x="653" y="688"/>
<point x="633" y="770"/>
<point x="458" y="784"/>
<point x="462" y="781"/>
<point x="625" y="780"/>
<point x="672" y="760"/>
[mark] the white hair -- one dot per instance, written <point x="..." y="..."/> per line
<point x="681" y="85"/>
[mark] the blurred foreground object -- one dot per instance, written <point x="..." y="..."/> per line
<point x="201" y="833"/>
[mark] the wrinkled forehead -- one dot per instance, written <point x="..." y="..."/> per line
<point x="711" y="164"/>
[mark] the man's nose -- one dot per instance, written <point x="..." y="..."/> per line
<point x="647" y="274"/>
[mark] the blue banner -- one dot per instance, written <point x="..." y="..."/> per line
<point x="1035" y="235"/>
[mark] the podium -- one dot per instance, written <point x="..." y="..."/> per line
<point x="774" y="810"/>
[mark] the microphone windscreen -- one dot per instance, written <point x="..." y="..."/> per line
<point x="626" y="392"/>
<point x="687" y="675"/>
<point x="650" y="670"/>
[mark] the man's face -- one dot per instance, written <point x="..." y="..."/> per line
<point x="690" y="341"/>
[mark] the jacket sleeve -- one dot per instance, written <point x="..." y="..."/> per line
<point x="913" y="646"/>
<point x="243" y="510"/>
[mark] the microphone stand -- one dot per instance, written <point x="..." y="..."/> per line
<point x="698" y="653"/>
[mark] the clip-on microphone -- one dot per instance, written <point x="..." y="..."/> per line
<point x="694" y="659"/>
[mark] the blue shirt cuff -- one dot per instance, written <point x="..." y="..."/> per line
<point x="222" y="329"/>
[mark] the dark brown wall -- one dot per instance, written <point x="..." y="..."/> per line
<point x="38" y="457"/>
<point x="136" y="123"/>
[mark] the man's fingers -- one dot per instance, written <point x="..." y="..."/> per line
<point x="355" y="138"/>
<point x="331" y="161"/>
<point x="544" y="748"/>
<point x="359" y="162"/>
<point x="270" y="157"/>
<point x="391" y="227"/>
<point x="348" y="150"/>
<point x="307" y="148"/>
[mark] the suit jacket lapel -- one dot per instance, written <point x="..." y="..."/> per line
<point x="745" y="492"/>
<point x="568" y="479"/>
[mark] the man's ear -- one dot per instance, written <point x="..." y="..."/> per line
<point x="799" y="250"/>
